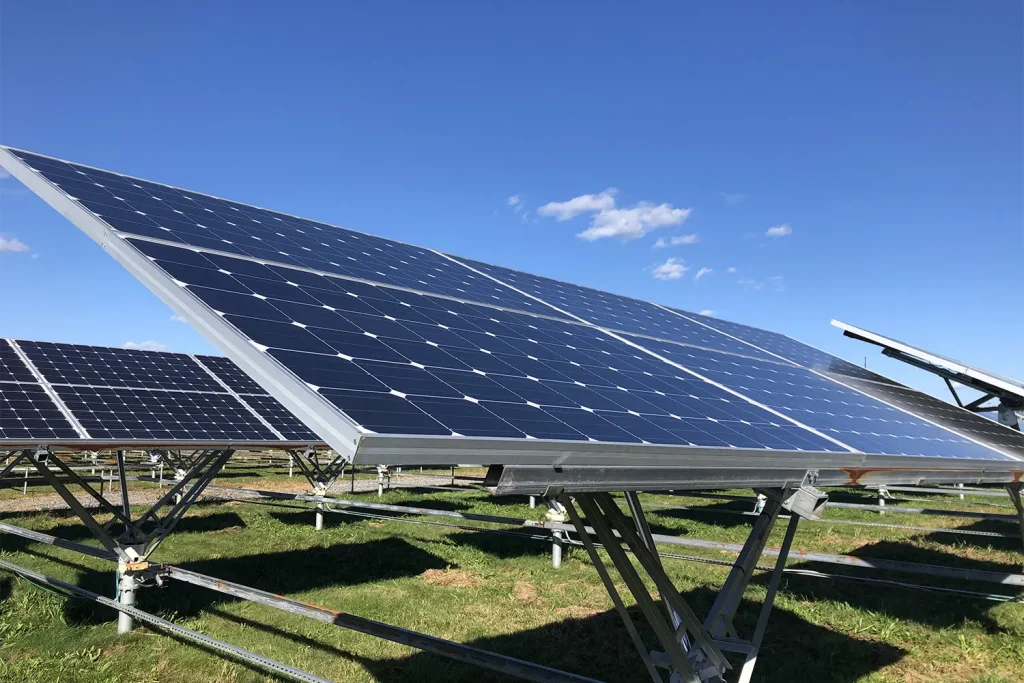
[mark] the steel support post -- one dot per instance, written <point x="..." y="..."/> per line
<point x="557" y="547"/>
<point x="126" y="585"/>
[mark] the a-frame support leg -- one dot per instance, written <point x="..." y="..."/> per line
<point x="692" y="651"/>
<point x="140" y="536"/>
<point x="321" y="473"/>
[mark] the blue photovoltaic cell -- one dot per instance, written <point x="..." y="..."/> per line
<point x="143" y="395"/>
<point x="139" y="414"/>
<point x="844" y="414"/>
<point x="27" y="412"/>
<point x="404" y="363"/>
<point x="323" y="302"/>
<point x="617" y="312"/>
<point x="790" y="349"/>
<point x="12" y="368"/>
<point x="143" y="208"/>
<point x="109" y="367"/>
<point x="268" y="407"/>
<point x="231" y="374"/>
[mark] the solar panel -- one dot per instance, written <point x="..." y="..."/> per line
<point x="360" y="336"/>
<point x="127" y="395"/>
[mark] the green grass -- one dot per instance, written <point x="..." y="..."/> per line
<point x="500" y="593"/>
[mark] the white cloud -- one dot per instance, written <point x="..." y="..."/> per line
<point x="178" y="319"/>
<point x="707" y="312"/>
<point x="747" y="283"/>
<point x="702" y="272"/>
<point x="779" y="230"/>
<point x="12" y="244"/>
<point x="671" y="269"/>
<point x="148" y="345"/>
<point x="777" y="283"/>
<point x="516" y="202"/>
<point x="731" y="270"/>
<point x="732" y="197"/>
<point x="677" y="240"/>
<point x="611" y="221"/>
<point x="586" y="203"/>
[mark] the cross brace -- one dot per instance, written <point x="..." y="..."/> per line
<point x="691" y="650"/>
<point x="132" y="540"/>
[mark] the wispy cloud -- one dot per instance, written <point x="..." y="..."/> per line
<point x="12" y="245"/>
<point x="779" y="230"/>
<point x="731" y="270"/>
<point x="676" y="240"/>
<point x="707" y="312"/>
<point x="148" y="345"/>
<point x="609" y="221"/>
<point x="516" y="202"/>
<point x="178" y="319"/>
<point x="671" y="269"/>
<point x="702" y="272"/>
<point x="775" y="282"/>
<point x="585" y="203"/>
<point x="732" y="197"/>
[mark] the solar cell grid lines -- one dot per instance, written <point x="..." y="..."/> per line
<point x="131" y="395"/>
<point x="404" y="363"/>
<point x="139" y="414"/>
<point x="847" y="415"/>
<point x="143" y="208"/>
<point x="616" y="312"/>
<point x="952" y="417"/>
<point x="110" y="367"/>
<point x="789" y="349"/>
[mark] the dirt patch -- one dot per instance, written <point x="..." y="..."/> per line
<point x="524" y="592"/>
<point x="576" y="612"/>
<point x="450" y="578"/>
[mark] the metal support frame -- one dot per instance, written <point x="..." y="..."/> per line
<point x="1016" y="492"/>
<point x="136" y="538"/>
<point x="320" y="472"/>
<point x="692" y="650"/>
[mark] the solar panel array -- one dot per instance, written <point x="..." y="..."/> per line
<point x="405" y="340"/>
<point x="131" y="395"/>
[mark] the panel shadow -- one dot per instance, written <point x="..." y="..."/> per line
<point x="597" y="645"/>
<point x="285" y="572"/>
<point x="939" y="610"/>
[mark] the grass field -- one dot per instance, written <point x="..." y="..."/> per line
<point x="501" y="593"/>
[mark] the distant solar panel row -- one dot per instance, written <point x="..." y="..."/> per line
<point x="404" y="340"/>
<point x="125" y="394"/>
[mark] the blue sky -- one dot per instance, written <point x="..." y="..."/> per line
<point x="855" y="161"/>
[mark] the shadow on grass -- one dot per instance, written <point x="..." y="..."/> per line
<point x="6" y="587"/>
<point x="599" y="646"/>
<point x="217" y="521"/>
<point x="285" y="572"/>
<point x="505" y="546"/>
<point x="988" y="525"/>
<point x="938" y="610"/>
<point x="724" y="514"/>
